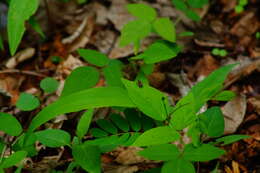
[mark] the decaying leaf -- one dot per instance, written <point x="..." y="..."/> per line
<point x="234" y="113"/>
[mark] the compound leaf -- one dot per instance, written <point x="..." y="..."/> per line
<point x="205" y="152"/>
<point x="133" y="118"/>
<point x="53" y="137"/>
<point x="163" y="152"/>
<point x="178" y="166"/>
<point x="156" y="136"/>
<point x="120" y="122"/>
<point x="84" y="122"/>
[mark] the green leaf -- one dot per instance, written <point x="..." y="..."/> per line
<point x="49" y="85"/>
<point x="27" y="102"/>
<point x="180" y="5"/>
<point x="94" y="57"/>
<point x="19" y="11"/>
<point x="147" y="69"/>
<point x="71" y="166"/>
<point x="165" y="28"/>
<point x="134" y="31"/>
<point x="113" y="73"/>
<point x="98" y="133"/>
<point x="197" y="3"/>
<point x="212" y="122"/>
<point x="36" y="26"/>
<point x="192" y="15"/>
<point x="133" y="118"/>
<point x="231" y="139"/>
<point x="107" y="126"/>
<point x="147" y="99"/>
<point x="80" y="79"/>
<point x="1" y="44"/>
<point x="88" y="157"/>
<point x="84" y="122"/>
<point x="147" y="122"/>
<point x="53" y="137"/>
<point x="163" y="152"/>
<point x="156" y="136"/>
<point x="160" y="51"/>
<point x="142" y="11"/>
<point x="9" y="124"/>
<point x="178" y="166"/>
<point x="26" y="142"/>
<point x="120" y="122"/>
<point x="86" y="99"/>
<point x="194" y="132"/>
<point x="224" y="96"/>
<point x="14" y="159"/>
<point x="205" y="152"/>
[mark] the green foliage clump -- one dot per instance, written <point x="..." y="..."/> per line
<point x="240" y="7"/>
<point x="219" y="52"/>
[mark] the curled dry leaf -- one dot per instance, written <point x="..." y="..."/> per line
<point x="20" y="57"/>
<point x="234" y="113"/>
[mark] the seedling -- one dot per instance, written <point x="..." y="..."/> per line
<point x="257" y="35"/>
<point x="240" y="6"/>
<point x="219" y="52"/>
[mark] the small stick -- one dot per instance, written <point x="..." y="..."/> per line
<point x="23" y="72"/>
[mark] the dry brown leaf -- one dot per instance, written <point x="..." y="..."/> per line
<point x="129" y="156"/>
<point x="234" y="113"/>
<point x="122" y="169"/>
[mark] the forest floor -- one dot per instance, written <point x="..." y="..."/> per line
<point x="97" y="24"/>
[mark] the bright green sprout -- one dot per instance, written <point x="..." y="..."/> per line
<point x="239" y="9"/>
<point x="49" y="85"/>
<point x="257" y="35"/>
<point x="219" y="52"/>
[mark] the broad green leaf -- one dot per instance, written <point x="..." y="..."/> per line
<point x="159" y="51"/>
<point x="210" y="86"/>
<point x="197" y="3"/>
<point x="205" y="152"/>
<point x="113" y="73"/>
<point x="86" y="99"/>
<point x="187" y="108"/>
<point x="9" y="124"/>
<point x="133" y="118"/>
<point x="19" y="11"/>
<point x="84" y="122"/>
<point x="212" y="122"/>
<point x="88" y="157"/>
<point x="107" y="126"/>
<point x="131" y="139"/>
<point x="165" y="28"/>
<point x="27" y="102"/>
<point x="120" y="122"/>
<point x="142" y="11"/>
<point x="94" y="57"/>
<point x="156" y="136"/>
<point x="231" y="139"/>
<point x="178" y="166"/>
<point x="163" y="152"/>
<point x="98" y="133"/>
<point x="180" y="5"/>
<point x="14" y="159"/>
<point x="183" y="114"/>
<point x="147" y="99"/>
<point x="49" y="85"/>
<point x="53" y="137"/>
<point x="224" y="96"/>
<point x="134" y="31"/>
<point x="80" y="79"/>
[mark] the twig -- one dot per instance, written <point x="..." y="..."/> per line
<point x="23" y="72"/>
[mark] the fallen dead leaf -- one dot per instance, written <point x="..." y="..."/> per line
<point x="129" y="156"/>
<point x="234" y="113"/>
